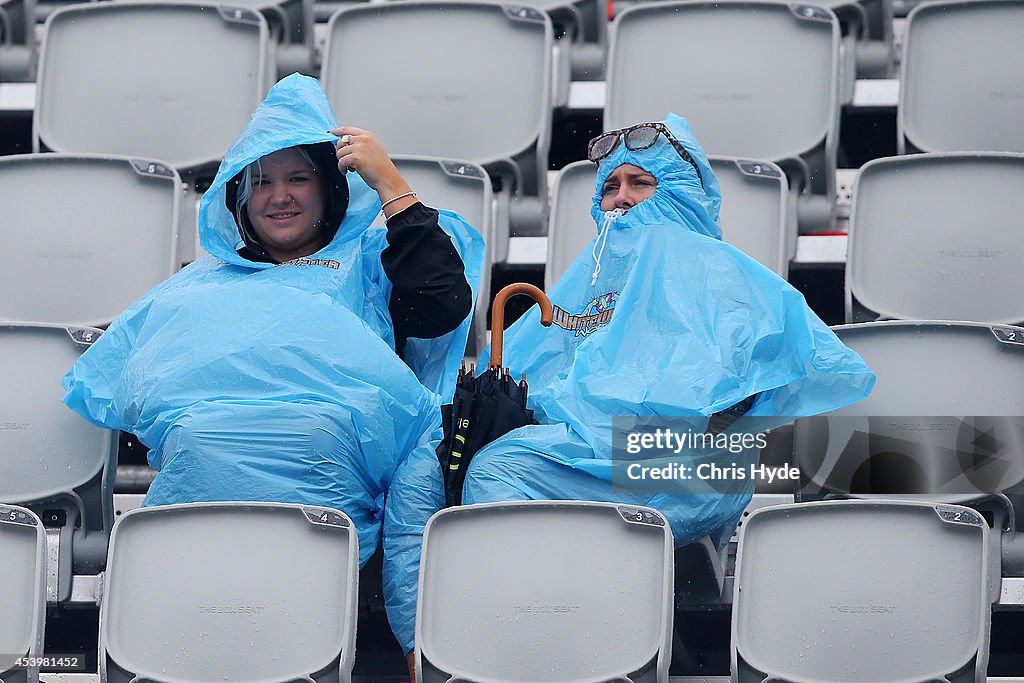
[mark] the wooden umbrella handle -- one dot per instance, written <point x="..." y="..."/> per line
<point x="498" y="314"/>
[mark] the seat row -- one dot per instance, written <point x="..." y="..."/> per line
<point x="558" y="591"/>
<point x="929" y="373"/>
<point x="93" y="233"/>
<point x="478" y="82"/>
<point x="581" y="24"/>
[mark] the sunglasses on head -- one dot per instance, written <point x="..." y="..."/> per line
<point x="636" y="138"/>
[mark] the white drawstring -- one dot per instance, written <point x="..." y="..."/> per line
<point x="602" y="237"/>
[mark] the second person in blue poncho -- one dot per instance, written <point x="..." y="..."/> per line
<point x="657" y="319"/>
<point x="272" y="369"/>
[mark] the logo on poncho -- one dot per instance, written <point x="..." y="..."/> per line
<point x="594" y="315"/>
<point x="327" y="263"/>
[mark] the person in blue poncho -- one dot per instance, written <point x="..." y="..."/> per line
<point x="305" y="357"/>
<point x="657" y="318"/>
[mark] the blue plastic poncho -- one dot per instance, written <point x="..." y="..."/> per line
<point x="263" y="382"/>
<point x="674" y="322"/>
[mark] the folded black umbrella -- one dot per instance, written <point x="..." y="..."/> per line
<point x="485" y="406"/>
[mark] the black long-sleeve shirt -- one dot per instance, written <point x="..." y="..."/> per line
<point x="430" y="295"/>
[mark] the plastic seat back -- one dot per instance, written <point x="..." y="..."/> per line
<point x="919" y="251"/>
<point x="570" y="225"/>
<point x="154" y="80"/>
<point x="22" y="592"/>
<point x="897" y="593"/>
<point x="970" y="98"/>
<point x="54" y="462"/>
<point x="755" y="215"/>
<point x="93" y="234"/>
<point x="757" y="80"/>
<point x="545" y="591"/>
<point x="230" y="591"/>
<point x="943" y="417"/>
<point x="475" y="84"/>
<point x="290" y="29"/>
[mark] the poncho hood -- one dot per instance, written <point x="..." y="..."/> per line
<point x="295" y="112"/>
<point x="682" y="198"/>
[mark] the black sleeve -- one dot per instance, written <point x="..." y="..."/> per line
<point x="430" y="295"/>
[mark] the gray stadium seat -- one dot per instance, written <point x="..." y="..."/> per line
<point x="462" y="187"/>
<point x="757" y="80"/>
<point x="943" y="417"/>
<point x="934" y="237"/>
<point x="93" y="233"/>
<point x="754" y="214"/>
<point x="54" y="462"/>
<point x="570" y="226"/>
<point x="545" y="591"/>
<point x="470" y="81"/>
<point x="942" y="423"/>
<point x="230" y="591"/>
<point x="964" y="99"/>
<point x="897" y="592"/>
<point x="22" y="591"/>
<point x="17" y="40"/>
<point x="153" y="80"/>
<point x="290" y="23"/>
<point x="581" y="21"/>
<point x="117" y="78"/>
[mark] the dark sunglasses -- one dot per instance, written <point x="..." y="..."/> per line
<point x="639" y="137"/>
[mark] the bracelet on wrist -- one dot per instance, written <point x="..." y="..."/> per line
<point x="395" y="199"/>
